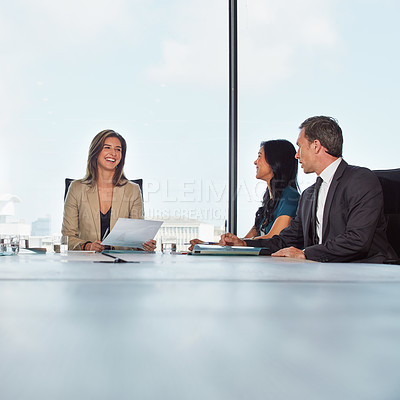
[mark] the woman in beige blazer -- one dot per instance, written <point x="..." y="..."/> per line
<point x="94" y="203"/>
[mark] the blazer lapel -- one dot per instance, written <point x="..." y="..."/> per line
<point x="118" y="196"/>
<point x="93" y="200"/>
<point x="331" y="193"/>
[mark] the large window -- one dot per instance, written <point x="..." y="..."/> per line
<point x="299" y="59"/>
<point x="154" y="71"/>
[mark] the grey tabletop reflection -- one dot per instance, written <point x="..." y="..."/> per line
<point x="197" y="327"/>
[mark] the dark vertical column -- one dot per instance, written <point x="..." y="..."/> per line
<point x="233" y="118"/>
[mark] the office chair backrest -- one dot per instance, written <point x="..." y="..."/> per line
<point x="390" y="181"/>
<point x="137" y="181"/>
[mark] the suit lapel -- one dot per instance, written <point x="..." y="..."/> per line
<point x="118" y="196"/>
<point x="93" y="200"/>
<point x="331" y="194"/>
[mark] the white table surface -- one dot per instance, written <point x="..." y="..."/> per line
<point x="197" y="327"/>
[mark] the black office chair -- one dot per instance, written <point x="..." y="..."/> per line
<point x="390" y="181"/>
<point x="137" y="181"/>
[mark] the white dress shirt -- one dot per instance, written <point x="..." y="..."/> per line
<point x="327" y="176"/>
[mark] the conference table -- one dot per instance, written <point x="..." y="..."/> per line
<point x="174" y="326"/>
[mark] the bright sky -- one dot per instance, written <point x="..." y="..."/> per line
<point x="156" y="72"/>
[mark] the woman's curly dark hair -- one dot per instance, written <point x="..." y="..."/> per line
<point x="280" y="155"/>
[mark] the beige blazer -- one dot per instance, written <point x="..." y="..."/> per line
<point x="81" y="221"/>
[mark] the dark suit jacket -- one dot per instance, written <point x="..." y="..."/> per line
<point x="354" y="227"/>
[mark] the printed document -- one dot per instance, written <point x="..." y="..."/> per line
<point x="128" y="232"/>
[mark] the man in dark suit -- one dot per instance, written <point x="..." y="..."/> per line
<point x="340" y="218"/>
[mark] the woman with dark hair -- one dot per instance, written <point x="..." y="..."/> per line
<point x="94" y="203"/>
<point x="277" y="166"/>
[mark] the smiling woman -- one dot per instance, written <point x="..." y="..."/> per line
<point x="110" y="156"/>
<point x="94" y="203"/>
<point x="277" y="166"/>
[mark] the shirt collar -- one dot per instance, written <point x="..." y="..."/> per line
<point x="329" y="171"/>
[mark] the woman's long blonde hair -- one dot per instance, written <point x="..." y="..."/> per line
<point x="119" y="179"/>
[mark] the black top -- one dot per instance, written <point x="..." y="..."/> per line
<point x="105" y="223"/>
